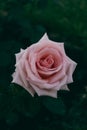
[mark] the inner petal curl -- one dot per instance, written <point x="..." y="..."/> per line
<point x="47" y="62"/>
<point x="48" y="58"/>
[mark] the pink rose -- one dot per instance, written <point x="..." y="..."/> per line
<point x="44" y="68"/>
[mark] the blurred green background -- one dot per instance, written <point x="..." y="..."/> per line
<point x="22" y="23"/>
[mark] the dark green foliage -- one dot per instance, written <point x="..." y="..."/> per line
<point x="56" y="106"/>
<point x="24" y="102"/>
<point x="22" y="23"/>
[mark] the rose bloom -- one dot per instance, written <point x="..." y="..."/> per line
<point x="44" y="68"/>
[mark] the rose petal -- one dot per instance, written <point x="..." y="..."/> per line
<point x="44" y="38"/>
<point x="61" y="83"/>
<point x="57" y="76"/>
<point x="31" y="76"/>
<point x="65" y="87"/>
<point x="19" y="55"/>
<point x="32" y="62"/>
<point x="41" y="92"/>
<point x="46" y="52"/>
<point x="70" y="67"/>
<point x="20" y="78"/>
<point x="44" y="42"/>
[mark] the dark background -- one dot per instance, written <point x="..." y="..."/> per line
<point x="22" y="23"/>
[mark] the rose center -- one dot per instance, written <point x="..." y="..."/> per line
<point x="47" y="62"/>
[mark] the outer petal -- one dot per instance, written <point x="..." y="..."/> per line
<point x="70" y="67"/>
<point x="44" y="39"/>
<point x="73" y="63"/>
<point x="57" y="76"/>
<point x="19" y="55"/>
<point x="65" y="87"/>
<point x="44" y="42"/>
<point x="45" y="92"/>
<point x="61" y="83"/>
<point x="19" y="77"/>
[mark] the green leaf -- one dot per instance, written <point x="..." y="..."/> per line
<point x="11" y="118"/>
<point x="5" y="105"/>
<point x="24" y="102"/>
<point x="54" y="105"/>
